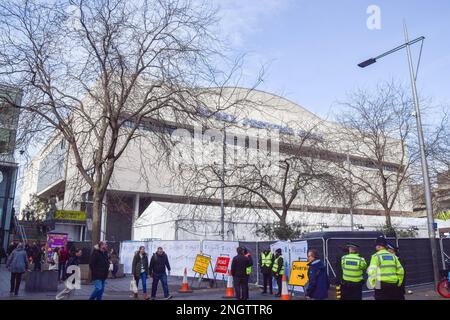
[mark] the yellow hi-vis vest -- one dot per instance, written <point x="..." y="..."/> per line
<point x="385" y="267"/>
<point x="275" y="265"/>
<point x="248" y="270"/>
<point x="266" y="259"/>
<point x="353" y="267"/>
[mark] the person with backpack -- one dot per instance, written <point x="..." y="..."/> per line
<point x="158" y="265"/>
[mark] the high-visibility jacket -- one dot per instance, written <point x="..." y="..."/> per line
<point x="266" y="259"/>
<point x="276" y="263"/>
<point x="385" y="267"/>
<point x="248" y="270"/>
<point x="353" y="266"/>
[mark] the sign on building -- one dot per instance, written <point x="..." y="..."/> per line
<point x="70" y="215"/>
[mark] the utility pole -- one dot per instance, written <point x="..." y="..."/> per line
<point x="350" y="191"/>
<point x="423" y="159"/>
<point x="222" y="190"/>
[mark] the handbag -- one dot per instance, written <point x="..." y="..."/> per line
<point x="133" y="287"/>
<point x="111" y="266"/>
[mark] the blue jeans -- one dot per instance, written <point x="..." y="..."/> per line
<point x="163" y="278"/>
<point x="144" y="282"/>
<point x="99" y="288"/>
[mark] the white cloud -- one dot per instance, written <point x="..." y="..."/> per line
<point x="241" y="18"/>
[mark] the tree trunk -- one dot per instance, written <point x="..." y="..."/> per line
<point x="96" y="218"/>
<point x="387" y="213"/>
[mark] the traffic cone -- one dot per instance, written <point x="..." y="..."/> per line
<point x="229" y="291"/>
<point x="184" y="285"/>
<point x="284" y="290"/>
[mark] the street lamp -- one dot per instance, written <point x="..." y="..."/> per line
<point x="426" y="179"/>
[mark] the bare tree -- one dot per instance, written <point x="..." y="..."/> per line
<point x="278" y="172"/>
<point x="376" y="130"/>
<point x="95" y="72"/>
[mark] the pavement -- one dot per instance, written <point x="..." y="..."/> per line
<point x="118" y="289"/>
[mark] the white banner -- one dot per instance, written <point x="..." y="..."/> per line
<point x="217" y="248"/>
<point x="127" y="251"/>
<point x="299" y="251"/>
<point x="181" y="254"/>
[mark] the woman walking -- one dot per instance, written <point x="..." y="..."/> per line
<point x="54" y="260"/>
<point x="140" y="270"/>
<point x="114" y="259"/>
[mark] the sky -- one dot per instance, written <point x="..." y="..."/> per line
<point x="310" y="49"/>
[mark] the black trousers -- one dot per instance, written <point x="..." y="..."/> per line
<point x="16" y="278"/>
<point x="388" y="291"/>
<point x="267" y="281"/>
<point x="37" y="266"/>
<point x="279" y="280"/>
<point x="241" y="288"/>
<point x="351" y="290"/>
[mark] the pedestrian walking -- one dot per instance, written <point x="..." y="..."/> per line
<point x="36" y="256"/>
<point x="139" y="269"/>
<point x="239" y="266"/>
<point x="278" y="270"/>
<point x="318" y="284"/>
<point x="17" y="264"/>
<point x="266" y="263"/>
<point x="353" y="267"/>
<point x="385" y="272"/>
<point x="157" y="269"/>
<point x="401" y="289"/>
<point x="114" y="259"/>
<point x="54" y="260"/>
<point x="63" y="257"/>
<point x="99" y="266"/>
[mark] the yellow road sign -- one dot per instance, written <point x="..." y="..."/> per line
<point x="201" y="264"/>
<point x="299" y="274"/>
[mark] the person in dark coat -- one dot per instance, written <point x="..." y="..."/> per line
<point x="318" y="284"/>
<point x="63" y="257"/>
<point x="139" y="269"/>
<point x="36" y="256"/>
<point x="99" y="266"/>
<point x="114" y="259"/>
<point x="401" y="290"/>
<point x="266" y="263"/>
<point x="278" y="270"/>
<point x="157" y="269"/>
<point x="17" y="264"/>
<point x="239" y="266"/>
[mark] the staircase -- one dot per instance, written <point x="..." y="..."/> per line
<point x="20" y="228"/>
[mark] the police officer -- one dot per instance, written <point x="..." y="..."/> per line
<point x="401" y="290"/>
<point x="278" y="270"/>
<point x="239" y="267"/>
<point x="353" y="267"/>
<point x="385" y="272"/>
<point x="266" y="263"/>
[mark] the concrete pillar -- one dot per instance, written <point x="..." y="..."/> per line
<point x="135" y="215"/>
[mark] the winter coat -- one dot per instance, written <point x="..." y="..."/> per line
<point x="99" y="264"/>
<point x="239" y="266"/>
<point x="18" y="260"/>
<point x="158" y="263"/>
<point x="139" y="263"/>
<point x="318" y="285"/>
<point x="114" y="258"/>
<point x="63" y="256"/>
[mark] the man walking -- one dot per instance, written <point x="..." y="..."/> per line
<point x="239" y="266"/>
<point x="278" y="270"/>
<point x="99" y="265"/>
<point x="17" y="264"/>
<point x="37" y="256"/>
<point x="157" y="269"/>
<point x="353" y="267"/>
<point x="385" y="272"/>
<point x="266" y="264"/>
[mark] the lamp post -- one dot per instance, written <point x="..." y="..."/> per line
<point x="425" y="174"/>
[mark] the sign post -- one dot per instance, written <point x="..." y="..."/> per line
<point x="201" y="264"/>
<point x="299" y="274"/>
<point x="222" y="263"/>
